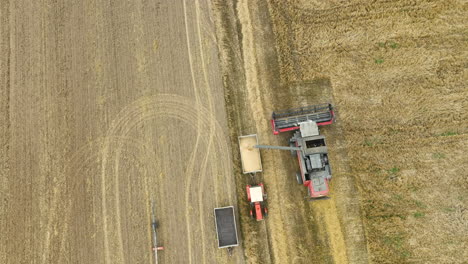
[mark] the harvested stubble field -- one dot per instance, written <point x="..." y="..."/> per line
<point x="104" y="106"/>
<point x="397" y="73"/>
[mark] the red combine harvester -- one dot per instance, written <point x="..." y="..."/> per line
<point x="307" y="145"/>
<point x="256" y="196"/>
<point x="289" y="120"/>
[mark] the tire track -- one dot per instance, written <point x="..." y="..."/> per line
<point x="58" y="195"/>
<point x="173" y="106"/>
<point x="224" y="150"/>
<point x="77" y="162"/>
<point x="191" y="162"/>
<point x="212" y="128"/>
<point x="117" y="142"/>
<point x="211" y="131"/>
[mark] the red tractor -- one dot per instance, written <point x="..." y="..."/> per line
<point x="257" y="196"/>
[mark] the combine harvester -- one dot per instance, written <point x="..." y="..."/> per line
<point x="307" y="145"/>
<point x="252" y="164"/>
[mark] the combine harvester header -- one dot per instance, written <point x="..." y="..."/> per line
<point x="289" y="120"/>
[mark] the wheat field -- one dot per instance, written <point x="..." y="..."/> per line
<point x="398" y="73"/>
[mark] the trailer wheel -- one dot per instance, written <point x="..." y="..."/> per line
<point x="299" y="178"/>
<point x="265" y="212"/>
<point x="251" y="214"/>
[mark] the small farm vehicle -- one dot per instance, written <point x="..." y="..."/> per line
<point x="256" y="196"/>
<point x="226" y="229"/>
<point x="154" y="226"/>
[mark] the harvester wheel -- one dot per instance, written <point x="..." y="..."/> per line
<point x="265" y="212"/>
<point x="251" y="214"/>
<point x="299" y="178"/>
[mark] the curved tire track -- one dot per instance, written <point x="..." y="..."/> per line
<point x="142" y="110"/>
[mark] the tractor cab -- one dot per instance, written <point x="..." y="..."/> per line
<point x="256" y="197"/>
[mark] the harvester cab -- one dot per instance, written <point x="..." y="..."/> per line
<point x="257" y="196"/>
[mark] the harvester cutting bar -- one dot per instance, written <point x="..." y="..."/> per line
<point x="288" y="120"/>
<point x="276" y="147"/>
